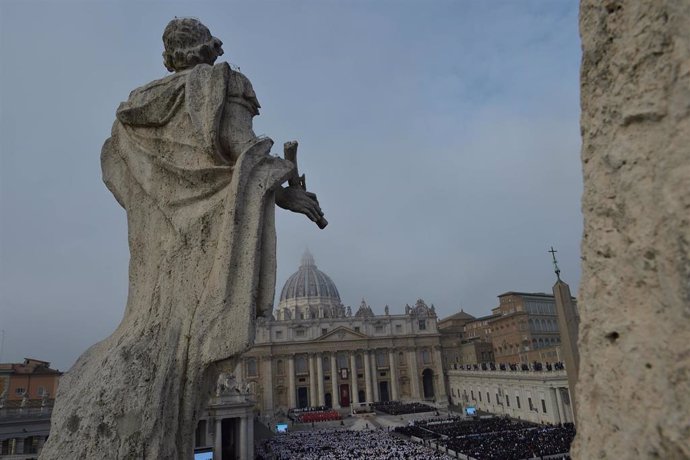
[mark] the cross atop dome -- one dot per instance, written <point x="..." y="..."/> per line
<point x="308" y="259"/>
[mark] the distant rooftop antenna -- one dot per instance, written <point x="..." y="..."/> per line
<point x="555" y="263"/>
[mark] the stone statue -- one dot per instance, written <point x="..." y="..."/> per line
<point x="198" y="188"/>
<point x="386" y="310"/>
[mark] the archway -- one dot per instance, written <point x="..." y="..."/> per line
<point x="428" y="383"/>
<point x="329" y="400"/>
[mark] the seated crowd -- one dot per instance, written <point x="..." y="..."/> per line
<point x="535" y="366"/>
<point x="313" y="414"/>
<point x="344" y="445"/>
<point x="494" y="438"/>
<point x="399" y="408"/>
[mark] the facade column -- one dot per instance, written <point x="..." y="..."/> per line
<point x="243" y="437"/>
<point x="414" y="373"/>
<point x="268" y="386"/>
<point x="335" y="394"/>
<point x="319" y="380"/>
<point x="218" y="441"/>
<point x="367" y="376"/>
<point x="556" y="404"/>
<point x="393" y="373"/>
<point x="250" y="434"/>
<point x="292" y="392"/>
<point x="354" y="392"/>
<point x="313" y="401"/>
<point x="374" y="378"/>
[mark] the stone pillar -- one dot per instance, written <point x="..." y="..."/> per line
<point x="354" y="392"/>
<point x="392" y="363"/>
<point x="292" y="392"/>
<point x="374" y="377"/>
<point x="313" y="400"/>
<point x="218" y="440"/>
<point x="413" y="372"/>
<point x="568" y="323"/>
<point x="367" y="376"/>
<point x="250" y="436"/>
<point x="634" y="291"/>
<point x="335" y="392"/>
<point x="268" y="386"/>
<point x="319" y="380"/>
<point x="558" y="405"/>
<point x="244" y="438"/>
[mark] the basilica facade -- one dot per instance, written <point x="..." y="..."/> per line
<point x="314" y="351"/>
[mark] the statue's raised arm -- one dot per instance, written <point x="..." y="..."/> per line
<point x="199" y="190"/>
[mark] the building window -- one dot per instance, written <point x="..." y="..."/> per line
<point x="342" y="361"/>
<point x="378" y="329"/>
<point x="301" y="364"/>
<point x="326" y="364"/>
<point x="488" y="398"/>
<point x="42" y="391"/>
<point x="299" y="332"/>
<point x="472" y="394"/>
<point x="398" y="328"/>
<point x="20" y="390"/>
<point x="359" y="362"/>
<point x="356" y="328"/>
<point x="381" y="359"/>
<point x="517" y="400"/>
<point x="507" y="401"/>
<point x="422" y="325"/>
<point x="543" y="406"/>
<point x="480" y="396"/>
<point x="251" y="367"/>
<point x="279" y="335"/>
<point x="529" y="401"/>
<point x="324" y="331"/>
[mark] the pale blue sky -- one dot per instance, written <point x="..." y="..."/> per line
<point x="442" y="138"/>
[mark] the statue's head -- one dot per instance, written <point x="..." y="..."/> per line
<point x="187" y="43"/>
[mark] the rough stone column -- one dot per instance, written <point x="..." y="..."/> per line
<point x="634" y="294"/>
<point x="292" y="392"/>
<point x="439" y="381"/>
<point x="367" y="376"/>
<point x="354" y="392"/>
<point x="250" y="436"/>
<point x="394" y="374"/>
<point x="313" y="400"/>
<point x="335" y="394"/>
<point x="375" y="379"/>
<point x="321" y="397"/>
<point x="558" y="415"/>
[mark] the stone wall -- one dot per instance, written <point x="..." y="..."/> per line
<point x="633" y="394"/>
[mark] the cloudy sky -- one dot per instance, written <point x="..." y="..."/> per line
<point x="441" y="137"/>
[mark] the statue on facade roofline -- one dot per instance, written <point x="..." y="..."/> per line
<point x="199" y="188"/>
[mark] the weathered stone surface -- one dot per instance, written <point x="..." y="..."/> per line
<point x="633" y="394"/>
<point x="198" y="188"/>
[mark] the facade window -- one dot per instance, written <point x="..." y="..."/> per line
<point x="543" y="406"/>
<point x="20" y="390"/>
<point x="472" y="394"/>
<point x="381" y="359"/>
<point x="480" y="396"/>
<point x="252" y="371"/>
<point x="426" y="357"/>
<point x="342" y="361"/>
<point x="356" y="328"/>
<point x="299" y="332"/>
<point x="422" y="325"/>
<point x="529" y="401"/>
<point x="517" y="400"/>
<point x="378" y="329"/>
<point x="324" y="331"/>
<point x="279" y="334"/>
<point x="301" y="364"/>
<point x="398" y="328"/>
<point x="359" y="362"/>
<point x="42" y="391"/>
<point x="507" y="400"/>
<point x="488" y="398"/>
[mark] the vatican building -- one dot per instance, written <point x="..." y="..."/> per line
<point x="313" y="351"/>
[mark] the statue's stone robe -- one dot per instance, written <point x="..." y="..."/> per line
<point x="202" y="266"/>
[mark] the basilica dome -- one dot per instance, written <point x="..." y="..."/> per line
<point x="309" y="293"/>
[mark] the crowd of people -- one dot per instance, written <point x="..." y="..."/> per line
<point x="342" y="444"/>
<point x="535" y="366"/>
<point x="399" y="408"/>
<point x="516" y="444"/>
<point x="313" y="414"/>
<point x="455" y="426"/>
